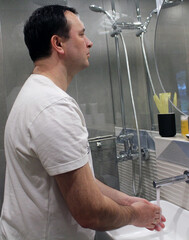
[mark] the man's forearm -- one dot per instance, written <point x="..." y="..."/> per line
<point x="91" y="208"/>
<point x="117" y="196"/>
<point x="114" y="194"/>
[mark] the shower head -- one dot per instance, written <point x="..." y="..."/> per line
<point x="95" y="8"/>
<point x="49" y="2"/>
<point x="99" y="9"/>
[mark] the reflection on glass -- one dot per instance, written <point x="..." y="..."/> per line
<point x="172" y="50"/>
<point x="158" y="4"/>
<point x="182" y="91"/>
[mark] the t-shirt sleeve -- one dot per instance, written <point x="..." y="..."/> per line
<point x="59" y="138"/>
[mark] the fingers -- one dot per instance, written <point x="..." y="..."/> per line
<point x="163" y="219"/>
<point x="153" y="227"/>
<point x="158" y="223"/>
<point x="148" y="215"/>
<point x="162" y="225"/>
<point x="158" y="228"/>
<point x="154" y="219"/>
<point x="157" y="216"/>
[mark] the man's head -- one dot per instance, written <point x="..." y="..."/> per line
<point x="76" y="47"/>
<point x="42" y="25"/>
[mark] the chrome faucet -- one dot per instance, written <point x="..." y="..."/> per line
<point x="172" y="180"/>
<point x="131" y="151"/>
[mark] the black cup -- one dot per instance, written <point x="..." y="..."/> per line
<point x="167" y="126"/>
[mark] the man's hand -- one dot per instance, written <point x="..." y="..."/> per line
<point x="148" y="215"/>
<point x="126" y="200"/>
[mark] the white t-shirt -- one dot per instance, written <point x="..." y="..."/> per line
<point x="45" y="135"/>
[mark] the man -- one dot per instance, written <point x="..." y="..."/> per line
<point x="50" y="189"/>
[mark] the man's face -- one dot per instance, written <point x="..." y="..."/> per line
<point x="77" y="46"/>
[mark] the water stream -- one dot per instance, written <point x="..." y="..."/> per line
<point x="158" y="196"/>
<point x="161" y="237"/>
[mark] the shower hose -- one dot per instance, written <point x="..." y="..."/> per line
<point x="137" y="192"/>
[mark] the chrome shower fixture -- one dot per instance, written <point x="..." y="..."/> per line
<point x="99" y="9"/>
<point x="172" y="180"/>
<point x="144" y="26"/>
<point x="95" y="8"/>
<point x="116" y="25"/>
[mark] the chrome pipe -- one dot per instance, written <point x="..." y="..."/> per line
<point x="146" y="23"/>
<point x="138" y="10"/>
<point x="149" y="77"/>
<point x="101" y="138"/>
<point x="122" y="102"/>
<point x="128" y="25"/>
<point x="138" y="192"/>
<point x="146" y="63"/>
<point x="172" y="180"/>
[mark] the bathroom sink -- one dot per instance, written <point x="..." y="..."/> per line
<point x="176" y="226"/>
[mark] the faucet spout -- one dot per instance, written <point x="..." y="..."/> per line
<point x="172" y="180"/>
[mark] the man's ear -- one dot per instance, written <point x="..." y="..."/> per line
<point x="57" y="44"/>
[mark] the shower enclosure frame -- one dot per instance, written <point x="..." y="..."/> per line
<point x="124" y="137"/>
<point x="122" y="103"/>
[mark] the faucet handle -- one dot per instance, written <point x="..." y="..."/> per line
<point x="186" y="172"/>
<point x="125" y="137"/>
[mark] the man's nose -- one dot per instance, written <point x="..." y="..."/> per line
<point x="89" y="43"/>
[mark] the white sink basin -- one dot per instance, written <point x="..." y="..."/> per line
<point x="176" y="226"/>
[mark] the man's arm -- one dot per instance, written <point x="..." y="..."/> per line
<point x="117" y="196"/>
<point x="92" y="209"/>
<point x="126" y="200"/>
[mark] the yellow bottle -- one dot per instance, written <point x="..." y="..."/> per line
<point x="184" y="125"/>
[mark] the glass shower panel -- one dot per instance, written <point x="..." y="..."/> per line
<point x="92" y="86"/>
<point x="93" y="91"/>
<point x="15" y="64"/>
<point x="2" y="119"/>
<point x="137" y="69"/>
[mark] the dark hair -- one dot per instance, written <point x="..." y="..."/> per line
<point x="42" y="25"/>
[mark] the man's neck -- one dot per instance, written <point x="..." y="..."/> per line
<point x="56" y="72"/>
